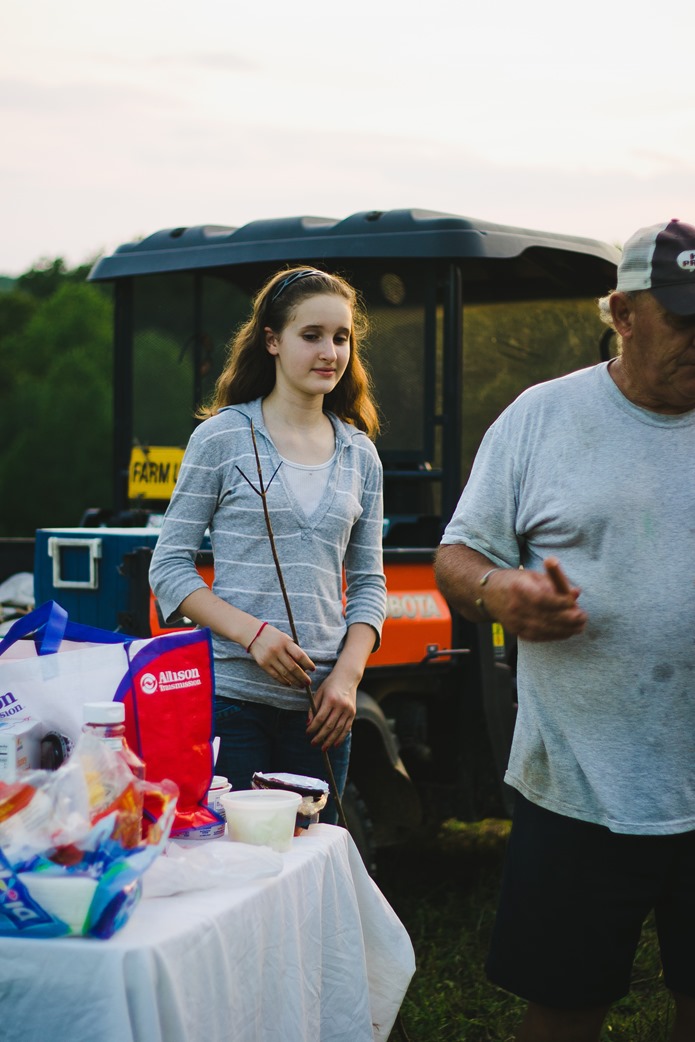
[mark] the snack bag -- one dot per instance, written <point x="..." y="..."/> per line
<point x="68" y="865"/>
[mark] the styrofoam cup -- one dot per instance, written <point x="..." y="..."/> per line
<point x="263" y="817"/>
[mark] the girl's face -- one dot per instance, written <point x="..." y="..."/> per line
<point x="312" y="351"/>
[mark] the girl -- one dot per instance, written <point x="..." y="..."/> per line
<point x="294" y="372"/>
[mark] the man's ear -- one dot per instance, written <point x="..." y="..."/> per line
<point x="270" y="341"/>
<point x="622" y="312"/>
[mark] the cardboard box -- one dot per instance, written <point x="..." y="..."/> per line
<point x="20" y="747"/>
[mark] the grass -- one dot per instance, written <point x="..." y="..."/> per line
<point x="444" y="889"/>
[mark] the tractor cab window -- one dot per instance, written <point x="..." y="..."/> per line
<point x="182" y="323"/>
<point x="405" y="358"/>
<point x="510" y="346"/>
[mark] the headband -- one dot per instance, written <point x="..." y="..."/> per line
<point x="286" y="282"/>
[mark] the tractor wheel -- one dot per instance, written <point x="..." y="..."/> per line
<point x="359" y="826"/>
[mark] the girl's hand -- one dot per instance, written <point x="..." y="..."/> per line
<point x="336" y="705"/>
<point x="281" y="658"/>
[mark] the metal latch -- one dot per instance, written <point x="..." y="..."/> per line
<point x="434" y="651"/>
<point x="55" y="547"/>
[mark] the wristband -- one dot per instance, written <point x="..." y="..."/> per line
<point x="258" y="633"/>
<point x="479" y="603"/>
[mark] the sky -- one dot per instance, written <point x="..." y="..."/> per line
<point x="117" y="120"/>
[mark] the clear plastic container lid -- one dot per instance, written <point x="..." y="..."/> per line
<point x="103" y="713"/>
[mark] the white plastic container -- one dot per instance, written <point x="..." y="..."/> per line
<point x="218" y="787"/>
<point x="214" y="831"/>
<point x="263" y="817"/>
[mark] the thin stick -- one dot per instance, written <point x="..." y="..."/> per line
<point x="327" y="763"/>
<point x="262" y="492"/>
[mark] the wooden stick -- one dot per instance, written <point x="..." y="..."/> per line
<point x="269" y="527"/>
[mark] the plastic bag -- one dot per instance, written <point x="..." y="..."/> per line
<point x="216" y="863"/>
<point x="67" y="862"/>
<point x="166" y="684"/>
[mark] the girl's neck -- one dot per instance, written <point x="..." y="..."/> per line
<point x="301" y="432"/>
<point x="293" y="412"/>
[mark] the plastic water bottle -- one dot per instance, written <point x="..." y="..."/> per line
<point x="106" y="721"/>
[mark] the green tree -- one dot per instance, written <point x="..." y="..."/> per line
<point x="16" y="308"/>
<point x="56" y="411"/>
<point x="46" y="278"/>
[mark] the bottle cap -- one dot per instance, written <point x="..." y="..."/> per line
<point x="103" y="713"/>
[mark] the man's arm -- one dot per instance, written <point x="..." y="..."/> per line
<point x="535" y="606"/>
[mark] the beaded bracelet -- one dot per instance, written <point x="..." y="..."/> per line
<point x="258" y="633"/>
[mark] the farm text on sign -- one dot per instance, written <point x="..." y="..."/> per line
<point x="153" y="471"/>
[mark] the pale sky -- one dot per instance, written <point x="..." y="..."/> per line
<point x="120" y="119"/>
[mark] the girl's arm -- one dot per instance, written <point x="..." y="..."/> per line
<point x="273" y="650"/>
<point x="336" y="698"/>
<point x="365" y="610"/>
<point x="365" y="594"/>
<point x="173" y="574"/>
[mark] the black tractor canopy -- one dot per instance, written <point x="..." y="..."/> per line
<point x="464" y="315"/>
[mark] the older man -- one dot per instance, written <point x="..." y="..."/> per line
<point x="576" y="531"/>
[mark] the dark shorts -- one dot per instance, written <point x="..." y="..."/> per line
<point x="574" y="898"/>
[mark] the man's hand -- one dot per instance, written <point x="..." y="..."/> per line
<point x="536" y="606"/>
<point x="533" y="605"/>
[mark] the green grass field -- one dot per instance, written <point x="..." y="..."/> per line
<point x="444" y="891"/>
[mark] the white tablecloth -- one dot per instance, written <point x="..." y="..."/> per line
<point x="315" y="954"/>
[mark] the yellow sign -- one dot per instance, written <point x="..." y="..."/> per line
<point x="497" y="636"/>
<point x="153" y="471"/>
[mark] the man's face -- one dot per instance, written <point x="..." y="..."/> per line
<point x="659" y="355"/>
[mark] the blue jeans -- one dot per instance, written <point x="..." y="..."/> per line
<point x="257" y="737"/>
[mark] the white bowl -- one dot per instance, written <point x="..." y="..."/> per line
<point x="263" y="817"/>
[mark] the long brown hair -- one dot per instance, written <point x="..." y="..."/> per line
<point x="249" y="371"/>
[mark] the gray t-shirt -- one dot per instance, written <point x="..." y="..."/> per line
<point x="606" y="723"/>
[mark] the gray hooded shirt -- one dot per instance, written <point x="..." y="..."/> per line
<point x="343" y="536"/>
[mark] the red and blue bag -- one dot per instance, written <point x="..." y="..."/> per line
<point x="50" y="667"/>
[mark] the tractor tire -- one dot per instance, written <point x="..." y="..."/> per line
<point x="360" y="826"/>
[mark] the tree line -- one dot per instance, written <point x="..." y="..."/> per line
<point x="55" y="398"/>
<point x="56" y="358"/>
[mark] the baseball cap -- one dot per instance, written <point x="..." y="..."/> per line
<point x="661" y="258"/>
